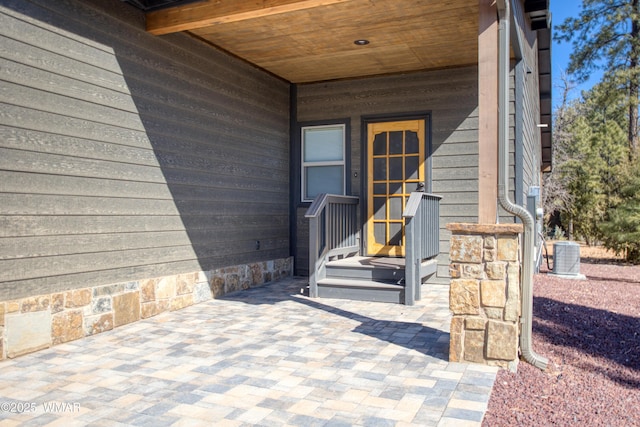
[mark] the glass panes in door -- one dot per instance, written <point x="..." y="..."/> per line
<point x="396" y="166"/>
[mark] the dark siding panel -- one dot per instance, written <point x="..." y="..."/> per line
<point x="40" y="59"/>
<point x="302" y="242"/>
<point x="25" y="74"/>
<point x="531" y="155"/>
<point x="78" y="225"/>
<point x="58" y="125"/>
<point x="23" y="96"/>
<point x="125" y="156"/>
<point x="452" y="98"/>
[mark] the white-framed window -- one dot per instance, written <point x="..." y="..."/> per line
<point x="323" y="160"/>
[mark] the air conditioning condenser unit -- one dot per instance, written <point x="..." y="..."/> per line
<point x="566" y="258"/>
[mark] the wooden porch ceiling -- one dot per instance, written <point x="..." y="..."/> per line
<point x="313" y="40"/>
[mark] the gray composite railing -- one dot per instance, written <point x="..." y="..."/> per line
<point x="333" y="231"/>
<point x="422" y="239"/>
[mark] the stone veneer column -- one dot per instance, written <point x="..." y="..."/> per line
<point x="484" y="296"/>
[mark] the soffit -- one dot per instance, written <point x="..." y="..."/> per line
<point x="313" y="40"/>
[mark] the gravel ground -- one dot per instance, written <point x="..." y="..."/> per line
<point x="590" y="332"/>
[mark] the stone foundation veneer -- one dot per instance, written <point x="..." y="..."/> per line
<point x="37" y="322"/>
<point x="484" y="296"/>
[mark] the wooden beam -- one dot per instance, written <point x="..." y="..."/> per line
<point x="488" y="112"/>
<point x="211" y="12"/>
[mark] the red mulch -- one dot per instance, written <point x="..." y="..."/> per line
<point x="590" y="332"/>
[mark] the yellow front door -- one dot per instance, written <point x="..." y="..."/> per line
<point x="396" y="154"/>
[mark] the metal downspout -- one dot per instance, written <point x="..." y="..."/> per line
<point x="526" y="278"/>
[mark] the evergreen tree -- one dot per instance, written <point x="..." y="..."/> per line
<point x="595" y="160"/>
<point x="606" y="35"/>
<point x="582" y="174"/>
<point x="622" y="230"/>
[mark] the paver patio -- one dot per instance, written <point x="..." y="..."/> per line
<point x="267" y="356"/>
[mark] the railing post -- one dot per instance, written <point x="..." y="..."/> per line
<point x="421" y="217"/>
<point x="412" y="248"/>
<point x="417" y="259"/>
<point x="313" y="257"/>
<point x="409" y="262"/>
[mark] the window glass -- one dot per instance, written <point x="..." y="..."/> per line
<point x="395" y="168"/>
<point x="380" y="144"/>
<point x="323" y="179"/>
<point x="412" y="142"/>
<point x="324" y="144"/>
<point x="380" y="169"/>
<point x="395" y="142"/>
<point x="323" y="163"/>
<point x="411" y="167"/>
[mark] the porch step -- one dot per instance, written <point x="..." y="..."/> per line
<point x="367" y="268"/>
<point x="364" y="278"/>
<point x="362" y="290"/>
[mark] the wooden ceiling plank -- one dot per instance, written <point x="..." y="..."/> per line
<point x="316" y="44"/>
<point x="198" y="15"/>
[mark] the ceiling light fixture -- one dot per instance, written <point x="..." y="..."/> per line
<point x="361" y="42"/>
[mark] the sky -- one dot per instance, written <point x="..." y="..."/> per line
<point x="560" y="52"/>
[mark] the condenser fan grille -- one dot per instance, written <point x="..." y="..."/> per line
<point x="566" y="258"/>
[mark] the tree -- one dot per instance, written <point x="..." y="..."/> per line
<point x="582" y="173"/>
<point x="556" y="198"/>
<point x="621" y="232"/>
<point x="592" y="160"/>
<point x="606" y="35"/>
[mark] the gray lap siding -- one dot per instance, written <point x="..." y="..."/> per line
<point x="125" y="156"/>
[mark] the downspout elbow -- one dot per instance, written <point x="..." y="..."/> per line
<point x="527" y="220"/>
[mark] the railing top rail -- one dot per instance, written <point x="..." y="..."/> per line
<point x="323" y="199"/>
<point x="413" y="204"/>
